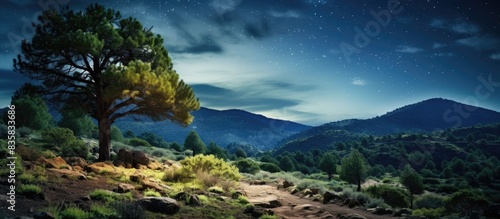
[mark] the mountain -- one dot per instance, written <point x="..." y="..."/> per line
<point x="429" y="115"/>
<point x="221" y="126"/>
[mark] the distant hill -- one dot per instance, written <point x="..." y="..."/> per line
<point x="429" y="115"/>
<point x="221" y="126"/>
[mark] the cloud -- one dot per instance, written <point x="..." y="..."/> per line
<point x="224" y="6"/>
<point x="438" y="45"/>
<point x="464" y="28"/>
<point x="258" y="30"/>
<point x="199" y="46"/>
<point x="241" y="98"/>
<point x="286" y="14"/>
<point x="408" y="49"/>
<point x="479" y="42"/>
<point x="443" y="54"/>
<point x="459" y="26"/>
<point x="358" y="82"/>
<point x="495" y="56"/>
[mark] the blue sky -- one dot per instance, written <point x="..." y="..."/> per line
<point x="309" y="61"/>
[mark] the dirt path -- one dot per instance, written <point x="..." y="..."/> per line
<point x="306" y="208"/>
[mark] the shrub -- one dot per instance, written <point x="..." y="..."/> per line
<point x="429" y="202"/>
<point x="387" y="181"/>
<point x="242" y="200"/>
<point x="102" y="212"/>
<point x="465" y="202"/>
<point x="247" y="166"/>
<point x="151" y="193"/>
<point x="24" y="131"/>
<point x="74" y="212"/>
<point x="105" y="195"/>
<point x="394" y="197"/>
<point x="58" y="136"/>
<point x="138" y="142"/>
<point x="361" y="197"/>
<point x="429" y="213"/>
<point x="446" y="188"/>
<point x="75" y="148"/>
<point x="215" y="189"/>
<point x="268" y="216"/>
<point x="269" y="167"/>
<point x="205" y="163"/>
<point x="29" y="190"/>
<point x="129" y="210"/>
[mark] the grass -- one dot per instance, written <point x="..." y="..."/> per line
<point x="73" y="212"/>
<point x="29" y="189"/>
<point x="108" y="196"/>
<point x="100" y="211"/>
<point x="268" y="216"/>
<point x="151" y="193"/>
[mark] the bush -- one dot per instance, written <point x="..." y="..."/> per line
<point x="151" y="193"/>
<point x="58" y="136"/>
<point x="29" y="190"/>
<point x="268" y="216"/>
<point x="102" y="212"/>
<point x="465" y="202"/>
<point x="429" y="202"/>
<point x="73" y="212"/>
<point x="203" y="163"/>
<point x="75" y="148"/>
<point x="247" y="166"/>
<point x="446" y="188"/>
<point x="129" y="210"/>
<point x="394" y="197"/>
<point x="138" y="142"/>
<point x="107" y="196"/>
<point x="429" y="213"/>
<point x="24" y="131"/>
<point x="269" y="167"/>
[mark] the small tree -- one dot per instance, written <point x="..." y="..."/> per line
<point x="240" y="153"/>
<point x="80" y="123"/>
<point x="31" y="112"/>
<point x="216" y="151"/>
<point x="328" y="164"/>
<point x="412" y="181"/>
<point x="286" y="164"/>
<point x="116" y="134"/>
<point x="354" y="168"/>
<point x="193" y="142"/>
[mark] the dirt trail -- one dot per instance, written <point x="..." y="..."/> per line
<point x="311" y="208"/>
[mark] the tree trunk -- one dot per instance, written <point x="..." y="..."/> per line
<point x="104" y="139"/>
<point x="329" y="177"/>
<point x="411" y="201"/>
<point x="359" y="184"/>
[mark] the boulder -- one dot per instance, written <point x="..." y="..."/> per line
<point x="258" y="182"/>
<point x="266" y="202"/>
<point x="146" y="184"/>
<point x="380" y="210"/>
<point x="328" y="196"/>
<point x="287" y="184"/>
<point x="137" y="177"/>
<point x="181" y="196"/>
<point x="351" y="202"/>
<point x="132" y="159"/>
<point x="100" y="167"/>
<point x="315" y="191"/>
<point x="65" y="173"/>
<point x="140" y="158"/>
<point x="76" y="161"/>
<point x="194" y="200"/>
<point x="351" y="216"/>
<point x="307" y="192"/>
<point x="162" y="205"/>
<point x="124" y="188"/>
<point x="293" y="190"/>
<point x="56" y="162"/>
<point x="401" y="212"/>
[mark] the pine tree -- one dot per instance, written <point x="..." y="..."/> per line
<point x="108" y="66"/>
<point x="328" y="164"/>
<point x="193" y="142"/>
<point x="354" y="168"/>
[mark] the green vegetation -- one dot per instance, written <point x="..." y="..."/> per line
<point x="109" y="196"/>
<point x="80" y="123"/>
<point x="29" y="190"/>
<point x="328" y="164"/>
<point x="354" y="168"/>
<point x="412" y="181"/>
<point x="392" y="196"/>
<point x="31" y="111"/>
<point x="64" y="140"/>
<point x="246" y="165"/>
<point x="151" y="193"/>
<point x="73" y="212"/>
<point x="193" y="142"/>
<point x="113" y="87"/>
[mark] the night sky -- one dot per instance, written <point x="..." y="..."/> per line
<point x="309" y="61"/>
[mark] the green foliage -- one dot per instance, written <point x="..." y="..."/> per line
<point x="29" y="190"/>
<point x="140" y="81"/>
<point x="129" y="210"/>
<point x="268" y="216"/>
<point x="216" y="151"/>
<point x="328" y="164"/>
<point x="377" y="170"/>
<point x="354" y="168"/>
<point x="108" y="196"/>
<point x="465" y="202"/>
<point x="269" y="167"/>
<point x="240" y="153"/>
<point x="129" y="134"/>
<point x="154" y="140"/>
<point x="246" y="165"/>
<point x="242" y="200"/>
<point x="193" y="142"/>
<point x="176" y="146"/>
<point x="73" y="212"/>
<point x="64" y="139"/>
<point x="392" y="196"/>
<point x="412" y="181"/>
<point x="80" y="123"/>
<point x="75" y="148"/>
<point x="429" y="213"/>
<point x="204" y="163"/>
<point x="116" y="134"/>
<point x="138" y="142"/>
<point x="429" y="202"/>
<point x="286" y="164"/>
<point x="24" y="131"/>
<point x="31" y="112"/>
<point x="151" y="193"/>
<point x="102" y="212"/>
